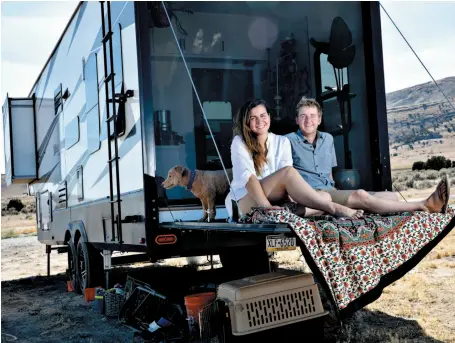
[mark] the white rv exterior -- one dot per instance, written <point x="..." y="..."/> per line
<point x="56" y="139"/>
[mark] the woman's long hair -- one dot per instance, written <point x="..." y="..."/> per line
<point x="242" y="129"/>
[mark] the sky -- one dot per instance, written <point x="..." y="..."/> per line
<point x="30" y="30"/>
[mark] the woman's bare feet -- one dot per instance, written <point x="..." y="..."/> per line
<point x="343" y="211"/>
<point x="438" y="201"/>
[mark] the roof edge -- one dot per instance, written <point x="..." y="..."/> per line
<point x="55" y="48"/>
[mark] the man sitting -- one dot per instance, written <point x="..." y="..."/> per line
<point x="313" y="154"/>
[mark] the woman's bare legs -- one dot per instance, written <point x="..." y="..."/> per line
<point x="287" y="181"/>
<point x="303" y="211"/>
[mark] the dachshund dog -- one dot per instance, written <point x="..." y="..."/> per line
<point x="204" y="184"/>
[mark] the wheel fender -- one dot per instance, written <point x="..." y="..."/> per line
<point x="77" y="226"/>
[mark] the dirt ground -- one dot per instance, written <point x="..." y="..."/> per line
<point x="417" y="308"/>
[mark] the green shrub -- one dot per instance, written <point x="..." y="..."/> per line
<point x="423" y="184"/>
<point x="419" y="165"/>
<point x="410" y="183"/>
<point x="403" y="178"/>
<point x="436" y="163"/>
<point x="419" y="176"/>
<point x="400" y="186"/>
<point x="16" y="204"/>
<point x="31" y="206"/>
<point x="432" y="175"/>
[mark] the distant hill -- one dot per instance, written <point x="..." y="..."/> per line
<point x="423" y="93"/>
<point x="421" y="122"/>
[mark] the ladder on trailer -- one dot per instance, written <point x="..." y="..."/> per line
<point x="111" y="117"/>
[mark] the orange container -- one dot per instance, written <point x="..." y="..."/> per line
<point x="70" y="287"/>
<point x="195" y="303"/>
<point x="89" y="294"/>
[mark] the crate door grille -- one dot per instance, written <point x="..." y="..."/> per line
<point x="280" y="307"/>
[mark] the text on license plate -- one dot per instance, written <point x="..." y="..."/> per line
<point x="280" y="243"/>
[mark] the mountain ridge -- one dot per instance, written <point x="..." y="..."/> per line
<point x="424" y="93"/>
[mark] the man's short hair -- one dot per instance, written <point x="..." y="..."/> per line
<point x="308" y="102"/>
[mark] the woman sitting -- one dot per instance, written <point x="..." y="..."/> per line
<point x="263" y="175"/>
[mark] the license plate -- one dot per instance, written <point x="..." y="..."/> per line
<point x="280" y="243"/>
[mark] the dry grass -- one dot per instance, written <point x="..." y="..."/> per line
<point x="16" y="232"/>
<point x="425" y="292"/>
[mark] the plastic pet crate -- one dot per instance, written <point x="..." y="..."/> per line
<point x="271" y="300"/>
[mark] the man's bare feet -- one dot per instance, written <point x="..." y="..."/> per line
<point x="343" y="211"/>
<point x="438" y="201"/>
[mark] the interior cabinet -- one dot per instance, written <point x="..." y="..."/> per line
<point x="209" y="36"/>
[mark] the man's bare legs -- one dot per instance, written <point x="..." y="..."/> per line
<point x="392" y="196"/>
<point x="434" y="203"/>
<point x="287" y="181"/>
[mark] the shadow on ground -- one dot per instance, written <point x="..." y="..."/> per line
<point x="39" y="309"/>
<point x="379" y="327"/>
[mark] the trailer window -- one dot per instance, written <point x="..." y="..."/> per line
<point x="92" y="107"/>
<point x="72" y="133"/>
<point x="58" y="100"/>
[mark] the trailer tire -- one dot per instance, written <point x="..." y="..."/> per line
<point x="89" y="266"/>
<point x="245" y="261"/>
<point x="72" y="267"/>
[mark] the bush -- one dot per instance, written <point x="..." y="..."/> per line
<point x="419" y="176"/>
<point x="444" y="171"/>
<point x="419" y="165"/>
<point x="15" y="204"/>
<point x="432" y="175"/>
<point x="436" y="163"/>
<point x="31" y="206"/>
<point x="410" y="183"/>
<point x="400" y="186"/>
<point x="12" y="212"/>
<point x="403" y="178"/>
<point x="423" y="184"/>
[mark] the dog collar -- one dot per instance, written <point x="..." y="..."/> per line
<point x="190" y="183"/>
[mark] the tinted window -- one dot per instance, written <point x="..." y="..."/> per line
<point x="72" y="133"/>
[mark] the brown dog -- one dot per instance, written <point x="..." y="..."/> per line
<point x="207" y="186"/>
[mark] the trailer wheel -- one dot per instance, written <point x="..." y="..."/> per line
<point x="89" y="266"/>
<point x="72" y="267"/>
<point x="245" y="261"/>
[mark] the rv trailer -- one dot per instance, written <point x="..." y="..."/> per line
<point x="135" y="88"/>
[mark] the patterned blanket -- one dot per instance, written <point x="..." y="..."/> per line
<point x="355" y="259"/>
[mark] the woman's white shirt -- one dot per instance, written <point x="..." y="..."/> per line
<point x="279" y="155"/>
